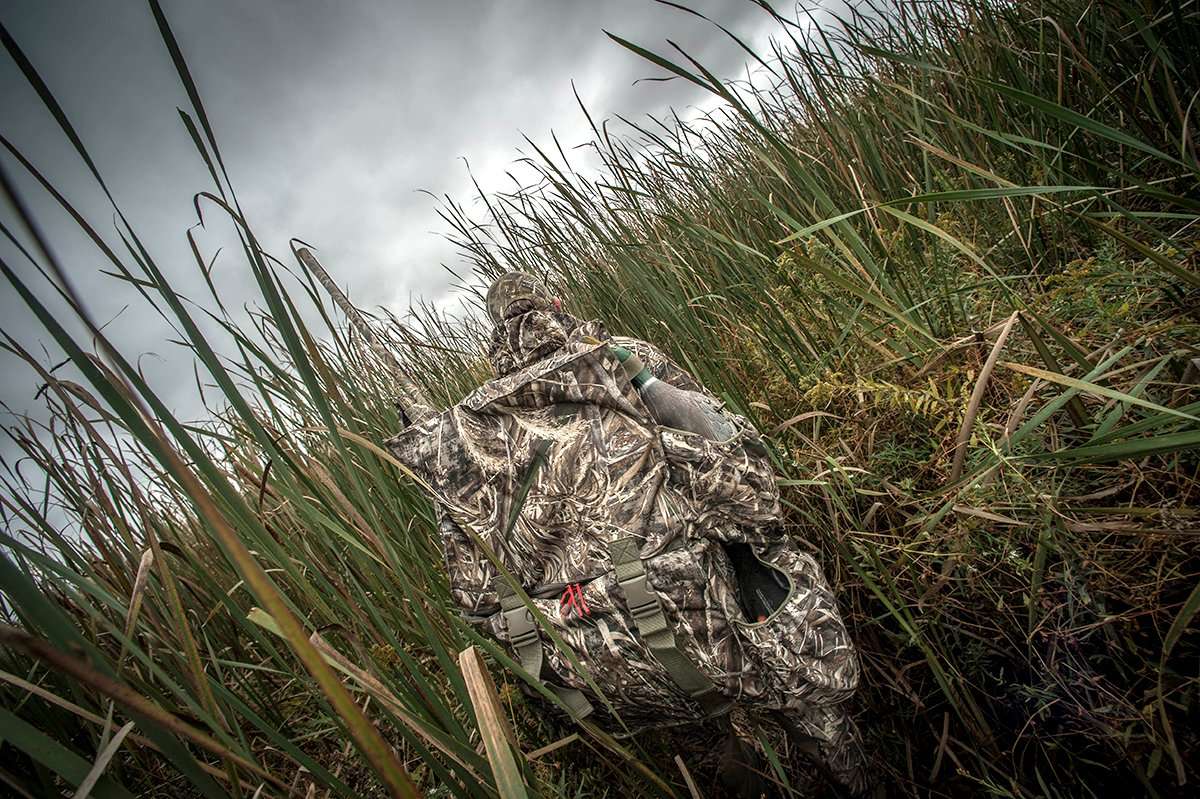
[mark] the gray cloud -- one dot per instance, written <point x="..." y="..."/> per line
<point x="331" y="117"/>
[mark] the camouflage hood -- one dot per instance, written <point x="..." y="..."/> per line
<point x="531" y="334"/>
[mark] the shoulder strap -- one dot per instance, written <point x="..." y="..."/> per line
<point x="652" y="625"/>
<point x="526" y="640"/>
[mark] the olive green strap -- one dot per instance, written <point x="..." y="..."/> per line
<point x="573" y="698"/>
<point x="522" y="630"/>
<point x="526" y="640"/>
<point x="652" y="625"/>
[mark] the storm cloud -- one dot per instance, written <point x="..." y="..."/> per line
<point x="337" y="122"/>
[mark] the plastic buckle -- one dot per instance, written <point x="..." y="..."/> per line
<point x="644" y="610"/>
<point x="641" y="601"/>
<point x="524" y="638"/>
<point x="521" y="629"/>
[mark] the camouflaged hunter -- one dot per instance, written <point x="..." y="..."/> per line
<point x="654" y="553"/>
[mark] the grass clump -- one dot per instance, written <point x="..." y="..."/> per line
<point x="945" y="255"/>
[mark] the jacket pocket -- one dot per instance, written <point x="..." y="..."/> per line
<point x="801" y="646"/>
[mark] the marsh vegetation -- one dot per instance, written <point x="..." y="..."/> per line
<point x="944" y="256"/>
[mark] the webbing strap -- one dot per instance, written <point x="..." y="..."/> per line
<point x="651" y="624"/>
<point x="526" y="640"/>
<point x="522" y="630"/>
<point x="573" y="698"/>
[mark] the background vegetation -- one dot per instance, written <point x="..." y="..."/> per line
<point x="944" y="255"/>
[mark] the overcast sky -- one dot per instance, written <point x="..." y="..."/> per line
<point x="332" y="118"/>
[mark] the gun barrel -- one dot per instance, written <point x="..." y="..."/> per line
<point x="411" y="399"/>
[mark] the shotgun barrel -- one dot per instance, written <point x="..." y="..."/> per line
<point x="411" y="399"/>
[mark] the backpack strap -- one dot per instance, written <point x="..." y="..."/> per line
<point x="646" y="609"/>
<point x="522" y="630"/>
<point x="526" y="640"/>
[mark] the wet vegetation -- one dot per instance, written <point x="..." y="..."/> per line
<point x="945" y="256"/>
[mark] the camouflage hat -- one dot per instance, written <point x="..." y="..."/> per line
<point x="511" y="287"/>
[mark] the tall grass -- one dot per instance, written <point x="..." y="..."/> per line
<point x="945" y="256"/>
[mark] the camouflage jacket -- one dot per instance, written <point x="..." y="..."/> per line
<point x="556" y="457"/>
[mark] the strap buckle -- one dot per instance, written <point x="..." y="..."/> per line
<point x="519" y="623"/>
<point x="647" y="611"/>
<point x="641" y="600"/>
